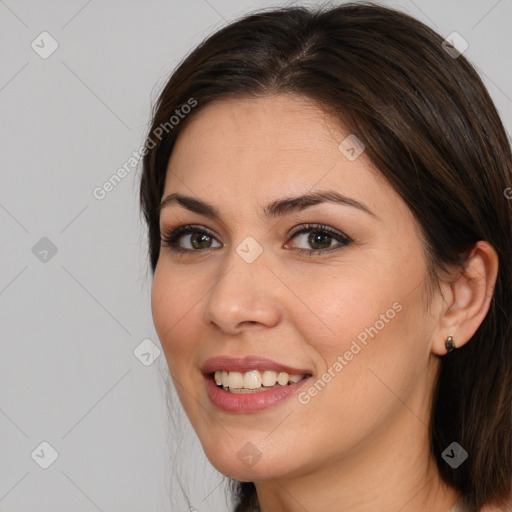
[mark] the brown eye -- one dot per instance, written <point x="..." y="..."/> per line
<point x="319" y="239"/>
<point x="198" y="238"/>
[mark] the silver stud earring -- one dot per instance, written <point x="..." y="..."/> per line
<point x="449" y="344"/>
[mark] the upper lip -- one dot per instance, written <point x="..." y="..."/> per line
<point x="248" y="363"/>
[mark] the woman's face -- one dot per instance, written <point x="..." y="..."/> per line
<point x="346" y="308"/>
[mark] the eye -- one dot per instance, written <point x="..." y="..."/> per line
<point x="198" y="238"/>
<point x="320" y="238"/>
<point x="201" y="238"/>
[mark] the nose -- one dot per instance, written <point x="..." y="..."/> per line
<point x="243" y="295"/>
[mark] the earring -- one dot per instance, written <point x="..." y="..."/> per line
<point x="449" y="344"/>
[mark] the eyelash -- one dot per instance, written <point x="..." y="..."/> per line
<point x="171" y="238"/>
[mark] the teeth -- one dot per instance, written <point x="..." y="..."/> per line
<point x="282" y="379"/>
<point x="235" y="380"/>
<point x="269" y="378"/>
<point x="254" y="379"/>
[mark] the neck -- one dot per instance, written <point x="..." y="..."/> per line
<point x="389" y="472"/>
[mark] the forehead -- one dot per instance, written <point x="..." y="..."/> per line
<point x="253" y="150"/>
<point x="252" y="133"/>
<point x="283" y="120"/>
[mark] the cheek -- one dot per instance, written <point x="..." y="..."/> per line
<point x="174" y="304"/>
<point x="337" y="310"/>
<point x="368" y="338"/>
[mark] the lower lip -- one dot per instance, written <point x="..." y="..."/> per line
<point x="250" y="402"/>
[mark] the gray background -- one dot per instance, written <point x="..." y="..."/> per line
<point x="70" y="321"/>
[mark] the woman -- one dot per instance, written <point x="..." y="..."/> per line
<point x="330" y="240"/>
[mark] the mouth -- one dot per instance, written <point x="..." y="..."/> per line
<point x="251" y="384"/>
<point x="254" y="381"/>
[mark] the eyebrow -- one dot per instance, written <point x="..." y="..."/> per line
<point x="274" y="209"/>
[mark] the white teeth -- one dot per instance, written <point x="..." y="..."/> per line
<point x="254" y="379"/>
<point x="235" y="380"/>
<point x="282" y="378"/>
<point x="269" y="378"/>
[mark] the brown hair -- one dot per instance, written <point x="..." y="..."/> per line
<point x="432" y="130"/>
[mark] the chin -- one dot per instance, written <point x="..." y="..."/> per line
<point x="246" y="461"/>
<point x="233" y="468"/>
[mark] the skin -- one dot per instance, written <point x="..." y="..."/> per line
<point x="361" y="444"/>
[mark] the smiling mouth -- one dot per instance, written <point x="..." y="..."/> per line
<point x="254" y="381"/>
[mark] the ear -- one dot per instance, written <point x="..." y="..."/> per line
<point x="467" y="298"/>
